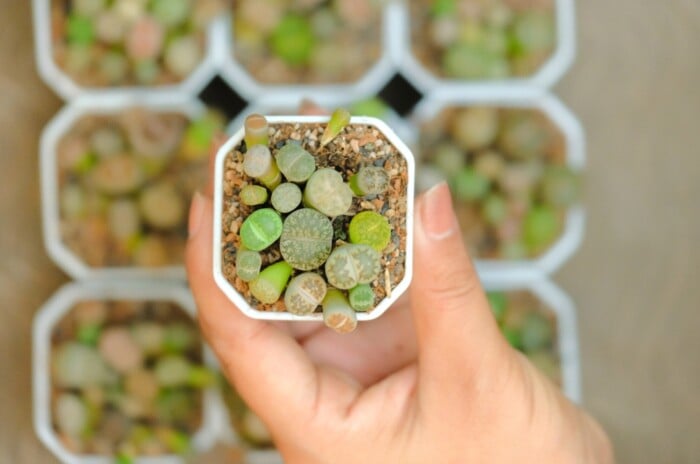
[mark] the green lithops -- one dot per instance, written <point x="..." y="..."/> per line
<point x="286" y="197"/>
<point x="369" y="180"/>
<point x="256" y="130"/>
<point x="540" y="227"/>
<point x="296" y="164"/>
<point x="307" y="239"/>
<point x="494" y="209"/>
<point x="560" y="186"/>
<point x="339" y="120"/>
<point x="350" y="265"/>
<point x="261" y="229"/>
<point x="370" y="228"/>
<point x="361" y="297"/>
<point x="259" y="164"/>
<point x="293" y="40"/>
<point x="269" y="285"/>
<point x="328" y="193"/>
<point x="305" y="293"/>
<point x="469" y="185"/>
<point x="248" y="264"/>
<point x="253" y="195"/>
<point x="337" y="312"/>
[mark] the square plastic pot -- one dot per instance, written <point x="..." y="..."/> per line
<point x="371" y="82"/>
<point x="64" y="85"/>
<point x="556" y="300"/>
<point x="425" y="80"/>
<point x="571" y="237"/>
<point x="217" y="270"/>
<point x="60" y="253"/>
<point x="59" y="305"/>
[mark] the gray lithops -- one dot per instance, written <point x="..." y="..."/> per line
<point x="326" y="192"/>
<point x="296" y="164"/>
<point x="350" y="265"/>
<point x="248" y="264"/>
<point x="307" y="239"/>
<point x="286" y="197"/>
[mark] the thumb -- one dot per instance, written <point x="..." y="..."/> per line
<point x="457" y="335"/>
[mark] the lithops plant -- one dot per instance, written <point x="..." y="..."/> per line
<point x="124" y="181"/>
<point x="134" y="387"/>
<point x="507" y="169"/>
<point x="130" y="42"/>
<point x="334" y="223"/>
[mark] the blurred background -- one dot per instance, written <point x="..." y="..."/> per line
<point x="474" y="89"/>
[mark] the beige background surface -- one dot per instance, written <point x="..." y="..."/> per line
<point x="636" y="280"/>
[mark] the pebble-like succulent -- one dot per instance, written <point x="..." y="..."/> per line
<point x="256" y="130"/>
<point x="337" y="312"/>
<point x="369" y="180"/>
<point x="253" y="195"/>
<point x="339" y="120"/>
<point x="350" y="265"/>
<point x="269" y="285"/>
<point x="370" y="228"/>
<point x="307" y="239"/>
<point x="305" y="293"/>
<point x="248" y="264"/>
<point x="286" y="197"/>
<point x="361" y="297"/>
<point x="259" y="164"/>
<point x="328" y="193"/>
<point x="296" y="164"/>
<point x="261" y="229"/>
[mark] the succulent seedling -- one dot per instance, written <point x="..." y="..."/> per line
<point x="350" y="265"/>
<point x="339" y="120"/>
<point x="307" y="239"/>
<point x="523" y="136"/>
<point x="286" y="197"/>
<point x="468" y="185"/>
<point x="293" y="40"/>
<point x="494" y="209"/>
<point x="370" y="228"/>
<point x="490" y="164"/>
<point x="117" y="175"/>
<point x="248" y="264"/>
<point x="296" y="164"/>
<point x="475" y="128"/>
<point x="261" y="229"/>
<point x="369" y="180"/>
<point x="269" y="285"/>
<point x="337" y="312"/>
<point x="326" y="192"/>
<point x="253" y="195"/>
<point x="449" y="158"/>
<point x="304" y="293"/>
<point x="540" y="227"/>
<point x="199" y="135"/>
<point x="534" y="31"/>
<point x="560" y="186"/>
<point x="162" y="206"/>
<point x="259" y="164"/>
<point x="256" y="130"/>
<point x="361" y="297"/>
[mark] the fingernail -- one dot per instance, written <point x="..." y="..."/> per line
<point x="196" y="213"/>
<point x="437" y="216"/>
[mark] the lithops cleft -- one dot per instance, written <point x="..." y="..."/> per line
<point x="349" y="265"/>
<point x="305" y="293"/>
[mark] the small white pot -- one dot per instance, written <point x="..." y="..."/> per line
<point x="64" y="85"/>
<point x="55" y="309"/>
<point x="571" y="237"/>
<point x="235" y="296"/>
<point x="556" y="300"/>
<point x="61" y="124"/>
<point x="425" y="80"/>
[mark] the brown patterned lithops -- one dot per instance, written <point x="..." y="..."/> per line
<point x="304" y="293"/>
<point x="307" y="238"/>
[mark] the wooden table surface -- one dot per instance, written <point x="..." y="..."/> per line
<point x="636" y="279"/>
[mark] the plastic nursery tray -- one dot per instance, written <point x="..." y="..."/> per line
<point x="549" y="73"/>
<point x="369" y="84"/>
<point x="563" y="307"/>
<point x="289" y="104"/>
<point x="58" y="306"/>
<point x="68" y="89"/>
<point x="63" y="256"/>
<point x="572" y="236"/>
<point x="235" y="296"/>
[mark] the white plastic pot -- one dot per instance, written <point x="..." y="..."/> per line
<point x="425" y="80"/>
<point x="556" y="300"/>
<point x="61" y="254"/>
<point x="64" y="85"/>
<point x="58" y="306"/>
<point x="369" y="84"/>
<point x="235" y="296"/>
<point x="571" y="237"/>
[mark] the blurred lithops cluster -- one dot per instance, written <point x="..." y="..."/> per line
<point x="508" y="175"/>
<point x="307" y="41"/>
<point x="130" y="42"/>
<point x="530" y="328"/>
<point x="483" y="39"/>
<point x="127" y="379"/>
<point x="125" y="182"/>
<point x="305" y="240"/>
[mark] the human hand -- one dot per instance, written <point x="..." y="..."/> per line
<point x="432" y="381"/>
